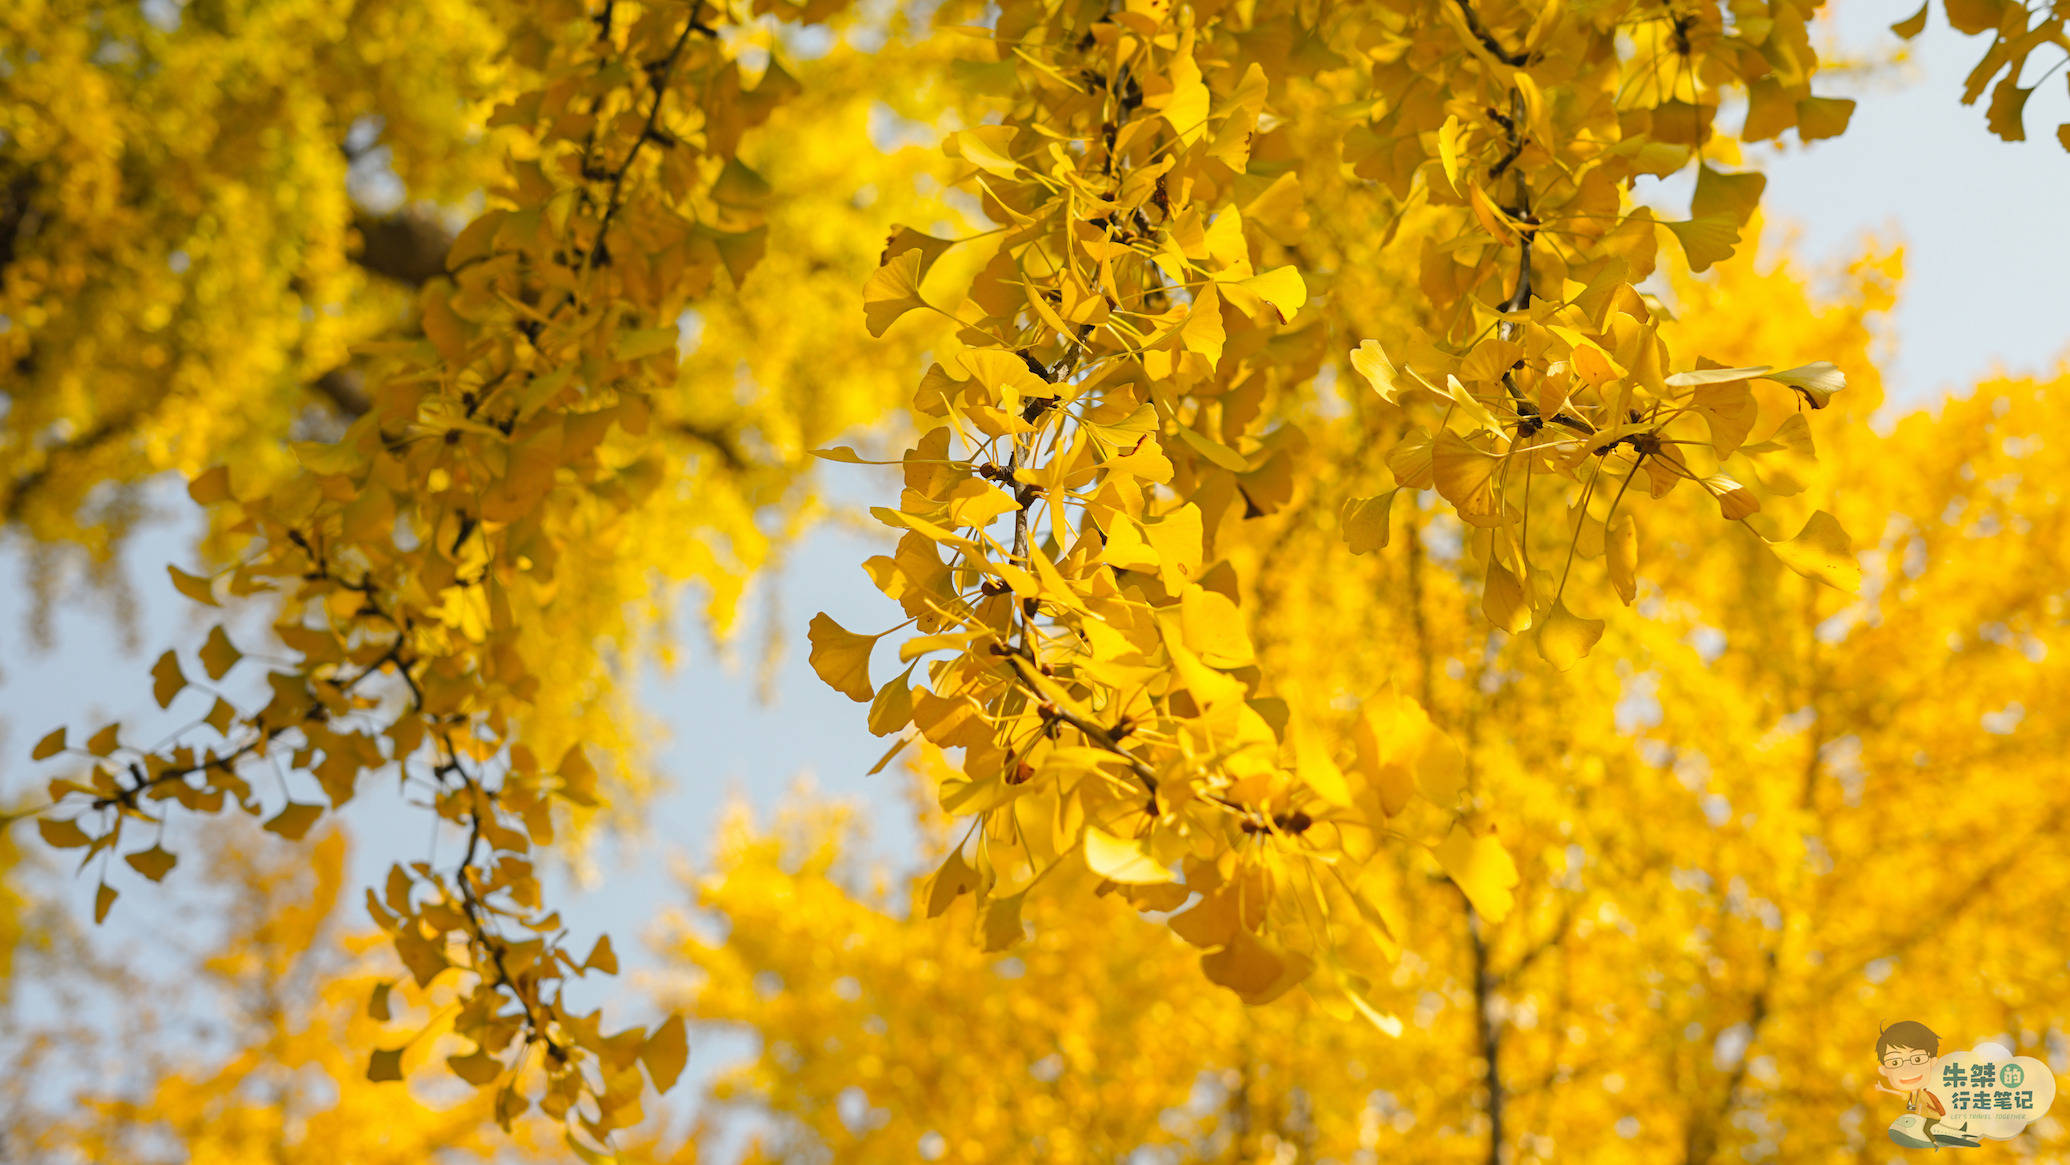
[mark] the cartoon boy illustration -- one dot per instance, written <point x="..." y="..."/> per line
<point x="1907" y="1050"/>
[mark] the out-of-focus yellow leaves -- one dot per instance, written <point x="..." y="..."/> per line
<point x="1482" y="869"/>
<point x="665" y="1052"/>
<point x="52" y="744"/>
<point x="1564" y="638"/>
<point x="218" y="655"/>
<point x="193" y="586"/>
<point x="61" y="834"/>
<point x="1365" y="522"/>
<point x="293" y="820"/>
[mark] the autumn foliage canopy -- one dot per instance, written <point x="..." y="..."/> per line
<point x="1406" y="634"/>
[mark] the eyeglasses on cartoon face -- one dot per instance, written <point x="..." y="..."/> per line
<point x="1901" y="1060"/>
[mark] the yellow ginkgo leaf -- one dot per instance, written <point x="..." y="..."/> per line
<point x="1733" y="196"/>
<point x="1465" y="476"/>
<point x="1281" y="288"/>
<point x="1817" y="381"/>
<point x="1203" y="332"/>
<point x="1449" y="136"/>
<point x="1565" y="638"/>
<point x="1365" y="521"/>
<point x="988" y="147"/>
<point x="665" y="1051"/>
<point x="1482" y="869"/>
<point x="218" y="654"/>
<point x="1822" y="551"/>
<point x="1706" y="240"/>
<point x="1503" y="601"/>
<point x="52" y="744"/>
<point x="841" y="657"/>
<point x="1621" y="557"/>
<point x="892" y="291"/>
<point x="1121" y="860"/>
<point x="192" y="585"/>
<point x="1257" y="970"/>
<point x="1214" y="628"/>
<point x="1823" y="117"/>
<point x="154" y="863"/>
<point x="166" y="679"/>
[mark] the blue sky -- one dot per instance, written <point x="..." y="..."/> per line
<point x="1987" y="287"/>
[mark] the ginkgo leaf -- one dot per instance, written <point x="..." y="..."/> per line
<point x="1256" y="970"/>
<point x="988" y="147"/>
<point x="1465" y="476"/>
<point x="1621" y="557"/>
<point x="1370" y="361"/>
<point x="61" y="834"/>
<point x="218" y="655"/>
<point x="892" y="291"/>
<point x="1565" y="638"/>
<point x="1912" y="25"/>
<point x="1503" y="601"/>
<point x="665" y="1052"/>
<point x="1121" y="860"/>
<point x="1412" y="461"/>
<point x="103" y="899"/>
<point x="154" y="863"/>
<point x="1482" y="869"/>
<point x="52" y="744"/>
<point x="212" y="486"/>
<point x="478" y="1067"/>
<point x="1217" y="453"/>
<point x="1214" y="628"/>
<point x="1730" y="409"/>
<point x="842" y="658"/>
<point x="892" y="708"/>
<point x="1822" y="551"/>
<point x="166" y="679"/>
<point x="104" y="742"/>
<point x="1707" y="240"/>
<point x="385" y="1065"/>
<point x="1817" y="382"/>
<point x="192" y="585"/>
<point x="1448" y="141"/>
<point x="1203" y="331"/>
<point x="1365" y="522"/>
<point x="294" y="820"/>
<point x="1733" y="196"/>
<point x="950" y="881"/>
<point x="1002" y="927"/>
<point x="602" y="957"/>
<point x="1735" y="501"/>
<point x="1823" y="117"/>
<point x="1701" y="377"/>
<point x="1318" y="770"/>
<point x="1280" y="287"/>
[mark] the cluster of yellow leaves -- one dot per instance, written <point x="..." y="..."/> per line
<point x="1110" y="411"/>
<point x="1131" y="398"/>
<point x="1764" y="820"/>
<point x="2016" y="31"/>
<point x="446" y="570"/>
<point x="1126" y="438"/>
<point x="1511" y="137"/>
<point x="176" y="236"/>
